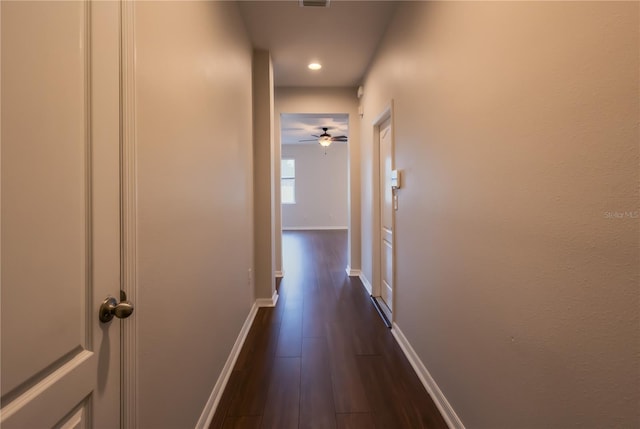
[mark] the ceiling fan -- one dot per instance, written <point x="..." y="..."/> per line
<point x="325" y="139"/>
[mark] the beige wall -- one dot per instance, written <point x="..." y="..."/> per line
<point x="320" y="186"/>
<point x="324" y="100"/>
<point x="516" y="125"/>
<point x="195" y="202"/>
<point x="263" y="177"/>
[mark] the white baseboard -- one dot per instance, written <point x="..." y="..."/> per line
<point x="216" y="394"/>
<point x="352" y="273"/>
<point x="279" y="274"/>
<point x="365" y="283"/>
<point x="449" y="415"/>
<point x="268" y="302"/>
<point x="312" y="228"/>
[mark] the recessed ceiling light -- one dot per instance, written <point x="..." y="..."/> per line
<point x="315" y="66"/>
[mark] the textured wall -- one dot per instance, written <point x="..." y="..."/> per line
<point x="321" y="186"/>
<point x="195" y="202"/>
<point x="516" y="124"/>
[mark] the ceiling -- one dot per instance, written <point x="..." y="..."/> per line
<point x="301" y="126"/>
<point x="342" y="37"/>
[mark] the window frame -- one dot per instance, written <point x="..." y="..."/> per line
<point x="289" y="179"/>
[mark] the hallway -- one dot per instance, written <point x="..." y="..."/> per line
<point x="322" y="358"/>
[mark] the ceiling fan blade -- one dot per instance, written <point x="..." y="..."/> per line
<point x="337" y="139"/>
<point x="340" y="137"/>
<point x="313" y="135"/>
<point x="311" y="140"/>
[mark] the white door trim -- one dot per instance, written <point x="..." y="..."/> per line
<point x="129" y="210"/>
<point x="376" y="287"/>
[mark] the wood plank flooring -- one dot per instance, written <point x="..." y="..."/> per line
<point x="322" y="358"/>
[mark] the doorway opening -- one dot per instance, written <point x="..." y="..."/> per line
<point x="314" y="173"/>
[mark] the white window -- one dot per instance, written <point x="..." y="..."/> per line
<point x="288" y="181"/>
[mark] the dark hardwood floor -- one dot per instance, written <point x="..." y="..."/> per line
<point x="322" y="358"/>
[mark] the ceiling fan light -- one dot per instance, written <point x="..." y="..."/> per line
<point x="324" y="141"/>
<point x="315" y="66"/>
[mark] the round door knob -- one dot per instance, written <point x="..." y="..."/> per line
<point x="111" y="307"/>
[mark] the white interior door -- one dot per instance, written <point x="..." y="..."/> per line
<point x="386" y="215"/>
<point x="60" y="236"/>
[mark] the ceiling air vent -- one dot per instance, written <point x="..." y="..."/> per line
<point x="314" y="3"/>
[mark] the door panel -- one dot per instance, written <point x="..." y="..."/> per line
<point x="78" y="418"/>
<point x="43" y="157"/>
<point x="60" y="256"/>
<point x="386" y="214"/>
<point x="387" y="277"/>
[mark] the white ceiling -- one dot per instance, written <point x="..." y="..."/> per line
<point x="301" y="126"/>
<point x="342" y="37"/>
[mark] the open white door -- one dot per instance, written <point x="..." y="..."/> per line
<point x="60" y="237"/>
<point x="386" y="216"/>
